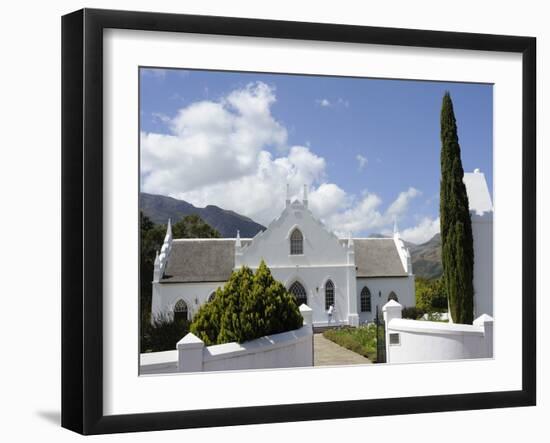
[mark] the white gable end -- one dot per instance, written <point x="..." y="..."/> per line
<point x="320" y="247"/>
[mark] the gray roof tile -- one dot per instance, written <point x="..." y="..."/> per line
<point x="200" y="260"/>
<point x="377" y="257"/>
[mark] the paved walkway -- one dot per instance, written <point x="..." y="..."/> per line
<point x="328" y="353"/>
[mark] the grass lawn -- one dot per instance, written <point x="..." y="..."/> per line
<point x="361" y="340"/>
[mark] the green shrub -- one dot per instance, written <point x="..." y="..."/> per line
<point x="431" y="295"/>
<point x="249" y="306"/>
<point x="361" y="340"/>
<point x="412" y="312"/>
<point x="163" y="334"/>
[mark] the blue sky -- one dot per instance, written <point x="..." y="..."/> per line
<point x="367" y="148"/>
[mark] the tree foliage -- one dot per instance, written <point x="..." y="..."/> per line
<point x="151" y="239"/>
<point x="192" y="226"/>
<point x="456" y="226"/>
<point x="249" y="306"/>
<point x="431" y="295"/>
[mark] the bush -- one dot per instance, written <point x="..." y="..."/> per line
<point x="249" y="306"/>
<point x="431" y="295"/>
<point x="412" y="312"/>
<point x="163" y="334"/>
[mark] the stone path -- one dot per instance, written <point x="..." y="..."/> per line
<point x="328" y="353"/>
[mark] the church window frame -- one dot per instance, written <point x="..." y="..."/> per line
<point x="366" y="302"/>
<point x="299" y="292"/>
<point x="296" y="242"/>
<point x="329" y="295"/>
<point x="181" y="310"/>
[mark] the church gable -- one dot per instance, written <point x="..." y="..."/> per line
<point x="296" y="237"/>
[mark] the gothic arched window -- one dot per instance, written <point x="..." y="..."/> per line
<point x="393" y="296"/>
<point x="329" y="294"/>
<point x="365" y="300"/>
<point x="181" y="312"/>
<point x="296" y="242"/>
<point x="299" y="293"/>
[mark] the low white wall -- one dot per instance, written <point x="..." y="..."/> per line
<point x="419" y="341"/>
<point x="284" y="350"/>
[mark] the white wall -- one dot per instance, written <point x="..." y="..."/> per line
<point x="31" y="115"/>
<point x="380" y="288"/>
<point x="285" y="350"/>
<point x="482" y="230"/>
<point x="419" y="341"/>
<point x="166" y="295"/>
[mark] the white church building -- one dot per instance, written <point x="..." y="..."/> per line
<point x="354" y="276"/>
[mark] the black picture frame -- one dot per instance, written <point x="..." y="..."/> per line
<point x="82" y="218"/>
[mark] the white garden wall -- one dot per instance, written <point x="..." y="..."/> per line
<point x="418" y="341"/>
<point x="284" y="350"/>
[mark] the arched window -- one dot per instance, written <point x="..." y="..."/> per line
<point x="296" y="242"/>
<point x="299" y="293"/>
<point x="211" y="296"/>
<point x="393" y="296"/>
<point x="365" y="300"/>
<point x="180" y="311"/>
<point x="329" y="294"/>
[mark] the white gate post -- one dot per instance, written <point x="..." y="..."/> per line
<point x="190" y="349"/>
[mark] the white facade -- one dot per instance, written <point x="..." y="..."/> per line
<point x="481" y="213"/>
<point x="321" y="263"/>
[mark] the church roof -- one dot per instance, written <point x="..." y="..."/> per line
<point x="213" y="260"/>
<point x="200" y="260"/>
<point x="377" y="257"/>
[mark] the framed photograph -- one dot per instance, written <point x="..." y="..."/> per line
<point x="269" y="221"/>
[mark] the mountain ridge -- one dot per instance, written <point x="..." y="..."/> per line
<point x="159" y="208"/>
<point x="425" y="257"/>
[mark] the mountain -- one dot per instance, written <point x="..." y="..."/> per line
<point x="160" y="208"/>
<point x="425" y="258"/>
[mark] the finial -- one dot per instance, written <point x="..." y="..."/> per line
<point x="350" y="240"/>
<point x="305" y="196"/>
<point x="287" y="202"/>
<point x="238" y="240"/>
<point x="157" y="260"/>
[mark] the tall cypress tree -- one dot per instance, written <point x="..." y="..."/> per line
<point x="456" y="226"/>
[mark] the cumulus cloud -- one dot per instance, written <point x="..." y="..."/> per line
<point x="211" y="142"/>
<point x="401" y="203"/>
<point x="362" y="161"/>
<point x="422" y="232"/>
<point x="219" y="153"/>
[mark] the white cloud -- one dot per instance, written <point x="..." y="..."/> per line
<point x="325" y="103"/>
<point x="217" y="153"/>
<point x="422" y="232"/>
<point x="344" y="103"/>
<point x="211" y="142"/>
<point x="160" y="117"/>
<point x="362" y="160"/>
<point x="401" y="203"/>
